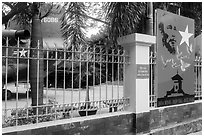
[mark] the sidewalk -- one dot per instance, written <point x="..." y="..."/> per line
<point x="196" y="133"/>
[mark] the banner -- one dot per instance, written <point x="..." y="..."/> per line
<point x="175" y="58"/>
<point x="51" y="31"/>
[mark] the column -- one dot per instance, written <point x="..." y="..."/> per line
<point x="137" y="72"/>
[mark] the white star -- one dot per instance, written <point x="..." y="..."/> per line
<point x="23" y="52"/>
<point x="185" y="36"/>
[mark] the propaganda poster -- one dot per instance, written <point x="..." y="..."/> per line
<point x="175" y="58"/>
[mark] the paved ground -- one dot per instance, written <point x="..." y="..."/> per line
<point x="196" y="133"/>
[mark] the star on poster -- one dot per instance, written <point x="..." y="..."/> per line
<point x="185" y="38"/>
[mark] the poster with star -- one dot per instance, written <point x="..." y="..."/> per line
<point x="175" y="58"/>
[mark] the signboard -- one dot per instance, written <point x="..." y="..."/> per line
<point x="51" y="31"/>
<point x="142" y="71"/>
<point x="175" y="58"/>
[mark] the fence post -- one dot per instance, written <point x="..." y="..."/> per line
<point x="137" y="71"/>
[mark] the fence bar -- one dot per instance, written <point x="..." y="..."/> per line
<point x="6" y="79"/>
<point x="196" y="74"/>
<point x="72" y="80"/>
<point x="56" y="63"/>
<point x="47" y="74"/>
<point x="94" y="69"/>
<point x="28" y="84"/>
<point x="124" y="60"/>
<point x="38" y="71"/>
<point x="80" y="60"/>
<point x="118" y="75"/>
<point x="151" y="79"/>
<point x="106" y="75"/>
<point x="100" y="79"/>
<point x="17" y="78"/>
<point x="112" y="71"/>
<point x="87" y="83"/>
<point x="200" y="77"/>
<point x="64" y="86"/>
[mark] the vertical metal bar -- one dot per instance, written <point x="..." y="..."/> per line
<point x="72" y="81"/>
<point x="118" y="91"/>
<point x="56" y="61"/>
<point x="38" y="69"/>
<point x="87" y="83"/>
<point x="6" y="77"/>
<point x="151" y="78"/>
<point x="28" y="72"/>
<point x="17" y="72"/>
<point x="94" y="70"/>
<point x="64" y="70"/>
<point x="80" y="60"/>
<point x="195" y="68"/>
<point x="112" y="72"/>
<point x="197" y="77"/>
<point x="200" y="78"/>
<point x="100" y="77"/>
<point x="124" y="63"/>
<point x="106" y="75"/>
<point x="47" y="74"/>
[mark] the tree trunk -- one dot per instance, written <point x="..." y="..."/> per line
<point x="149" y="26"/>
<point x="36" y="65"/>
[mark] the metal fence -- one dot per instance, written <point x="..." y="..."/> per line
<point x="77" y="81"/>
<point x="198" y="79"/>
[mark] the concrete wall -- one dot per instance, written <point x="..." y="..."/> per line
<point x="118" y="123"/>
<point x="178" y="119"/>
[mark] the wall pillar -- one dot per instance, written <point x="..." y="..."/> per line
<point x="137" y="72"/>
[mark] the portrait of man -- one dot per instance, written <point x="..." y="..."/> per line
<point x="169" y="38"/>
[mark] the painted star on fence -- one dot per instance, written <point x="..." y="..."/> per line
<point x="22" y="53"/>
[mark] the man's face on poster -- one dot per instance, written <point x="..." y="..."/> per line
<point x="169" y="32"/>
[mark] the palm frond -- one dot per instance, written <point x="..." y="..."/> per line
<point x="73" y="24"/>
<point x="123" y="17"/>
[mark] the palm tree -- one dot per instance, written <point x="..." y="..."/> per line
<point x="37" y="66"/>
<point x="123" y="18"/>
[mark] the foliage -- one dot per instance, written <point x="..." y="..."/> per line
<point x="27" y="116"/>
<point x="73" y="24"/>
<point x="123" y="18"/>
